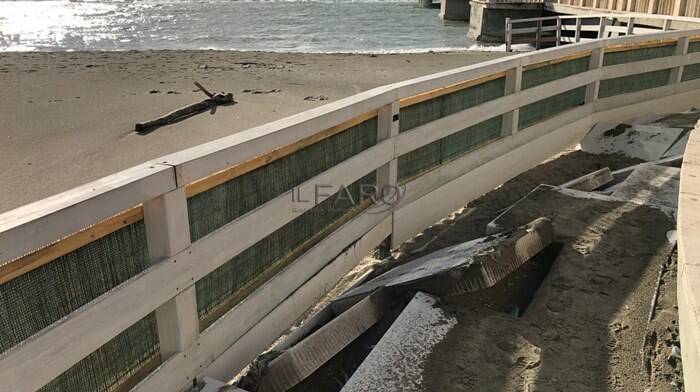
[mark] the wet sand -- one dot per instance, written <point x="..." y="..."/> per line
<point x="68" y="118"/>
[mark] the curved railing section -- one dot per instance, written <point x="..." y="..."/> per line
<point x="689" y="261"/>
<point x="193" y="263"/>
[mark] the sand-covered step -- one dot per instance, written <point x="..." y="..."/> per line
<point x="396" y="361"/>
<point x="466" y="267"/>
<point x="651" y="184"/>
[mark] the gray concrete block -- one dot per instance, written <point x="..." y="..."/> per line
<point x="396" y="361"/>
<point x="647" y="142"/>
<point x="467" y="267"/>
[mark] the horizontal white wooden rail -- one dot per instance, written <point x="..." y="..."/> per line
<point x="45" y="356"/>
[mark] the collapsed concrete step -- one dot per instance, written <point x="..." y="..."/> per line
<point x="647" y="142"/>
<point x="466" y="267"/>
<point x="302" y="359"/>
<point x="591" y="181"/>
<point x="651" y="184"/>
<point x="396" y="361"/>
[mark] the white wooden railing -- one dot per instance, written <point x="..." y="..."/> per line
<point x="159" y="188"/>
<point x="557" y="30"/>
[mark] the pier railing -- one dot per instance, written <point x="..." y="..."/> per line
<point x="193" y="263"/>
<point x="689" y="8"/>
<point x="556" y="30"/>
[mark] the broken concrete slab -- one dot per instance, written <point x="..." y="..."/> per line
<point x="466" y="267"/>
<point x="678" y="148"/>
<point x="647" y="142"/>
<point x="396" y="361"/>
<point x="213" y="385"/>
<point x="686" y="120"/>
<point x="302" y="359"/>
<point x="591" y="181"/>
<point x="651" y="184"/>
<point x="647" y="119"/>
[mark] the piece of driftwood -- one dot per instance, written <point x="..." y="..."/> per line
<point x="210" y="103"/>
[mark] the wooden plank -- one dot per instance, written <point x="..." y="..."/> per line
<point x="68" y="244"/>
<point x="449" y="89"/>
<point x="33" y="226"/>
<point x="240" y="169"/>
<point x="559" y="60"/>
<point x="641" y="45"/>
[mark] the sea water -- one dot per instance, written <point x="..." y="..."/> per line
<point x="319" y="26"/>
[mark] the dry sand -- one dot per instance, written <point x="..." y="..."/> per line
<point x="586" y="327"/>
<point x="67" y="118"/>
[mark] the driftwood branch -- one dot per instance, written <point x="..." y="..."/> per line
<point x="211" y="103"/>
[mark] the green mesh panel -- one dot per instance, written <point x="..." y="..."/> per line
<point x="633" y="83"/>
<point x="35" y="300"/>
<point x="220" y="205"/>
<point x="226" y="281"/>
<point x="445" y="105"/>
<point x="691" y="72"/>
<point x="548" y="107"/>
<point x="693" y="47"/>
<point x="114" y="362"/>
<point x="43" y="296"/>
<point x="419" y="160"/>
<point x="548" y="73"/>
<point x="443" y="150"/>
<point x="629" y="56"/>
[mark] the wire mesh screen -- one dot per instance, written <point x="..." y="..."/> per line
<point x="639" y="82"/>
<point x="634" y="83"/>
<point x="220" y="205"/>
<point x="548" y="107"/>
<point x="37" y="299"/>
<point x="693" y="47"/>
<point x="443" y="150"/>
<point x="445" y="105"/>
<point x="640" y="54"/>
<point x="123" y="361"/>
<point x="536" y="76"/>
<point x="691" y="72"/>
<point x="43" y="296"/>
<point x="220" y="290"/>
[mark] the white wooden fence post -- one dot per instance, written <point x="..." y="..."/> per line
<point x="558" y="32"/>
<point x="168" y="232"/>
<point x="509" y="35"/>
<point x="514" y="79"/>
<point x="595" y="62"/>
<point x="577" y="34"/>
<point x="681" y="49"/>
<point x="630" y="26"/>
<point x="387" y="175"/>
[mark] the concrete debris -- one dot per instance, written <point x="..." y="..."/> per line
<point x="647" y="142"/>
<point x="302" y="359"/>
<point x="213" y="385"/>
<point x="651" y="184"/>
<point x="647" y="119"/>
<point x="396" y="361"/>
<point x="591" y="181"/>
<point x="678" y="148"/>
<point x="466" y="267"/>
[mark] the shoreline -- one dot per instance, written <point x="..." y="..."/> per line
<point x="67" y="118"/>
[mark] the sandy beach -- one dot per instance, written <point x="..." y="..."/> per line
<point x="67" y="118"/>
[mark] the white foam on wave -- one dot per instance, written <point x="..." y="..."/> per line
<point x="480" y="47"/>
<point x="378" y="51"/>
